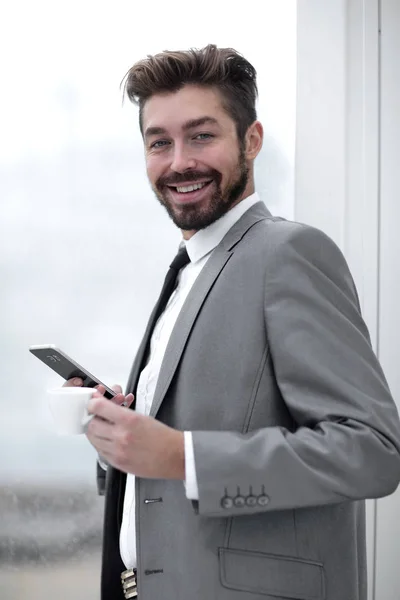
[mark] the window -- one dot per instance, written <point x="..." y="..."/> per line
<point x="84" y="244"/>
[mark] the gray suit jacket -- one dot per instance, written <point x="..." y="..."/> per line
<point x="270" y="365"/>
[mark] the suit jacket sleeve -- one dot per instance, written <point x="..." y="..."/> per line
<point x="346" y="444"/>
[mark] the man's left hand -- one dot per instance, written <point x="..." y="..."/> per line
<point x="135" y="443"/>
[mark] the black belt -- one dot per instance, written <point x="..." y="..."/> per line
<point x="129" y="584"/>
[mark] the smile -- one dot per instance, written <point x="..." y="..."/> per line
<point x="184" y="189"/>
<point x="191" y="192"/>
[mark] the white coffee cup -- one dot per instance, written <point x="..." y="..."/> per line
<point x="68" y="408"/>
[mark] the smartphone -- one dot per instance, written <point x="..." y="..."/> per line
<point x="67" y="368"/>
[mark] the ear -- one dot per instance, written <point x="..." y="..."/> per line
<point x="254" y="140"/>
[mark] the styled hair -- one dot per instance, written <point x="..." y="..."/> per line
<point x="221" y="68"/>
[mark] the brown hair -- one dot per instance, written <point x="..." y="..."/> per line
<point x="222" y="68"/>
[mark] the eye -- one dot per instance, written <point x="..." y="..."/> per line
<point x="203" y="136"/>
<point x="159" y="144"/>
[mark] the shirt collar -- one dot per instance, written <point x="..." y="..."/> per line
<point x="205" y="240"/>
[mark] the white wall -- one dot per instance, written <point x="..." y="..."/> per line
<point x="346" y="180"/>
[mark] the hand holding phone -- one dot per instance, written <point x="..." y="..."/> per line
<point x="77" y="382"/>
<point x="67" y="368"/>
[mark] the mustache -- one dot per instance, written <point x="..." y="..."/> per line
<point x="188" y="177"/>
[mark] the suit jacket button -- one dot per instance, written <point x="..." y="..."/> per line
<point x="263" y="500"/>
<point x="251" y="500"/>
<point x="226" y="502"/>
<point x="239" y="501"/>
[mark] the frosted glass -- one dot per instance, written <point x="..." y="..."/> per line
<point x="76" y="215"/>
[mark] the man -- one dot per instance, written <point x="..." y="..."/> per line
<point x="263" y="419"/>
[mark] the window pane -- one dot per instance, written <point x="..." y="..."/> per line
<point x="84" y="244"/>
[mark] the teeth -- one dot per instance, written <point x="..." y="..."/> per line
<point x="190" y="188"/>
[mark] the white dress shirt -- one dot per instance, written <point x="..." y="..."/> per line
<point x="199" y="248"/>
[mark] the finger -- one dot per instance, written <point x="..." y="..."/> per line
<point x="128" y="400"/>
<point x="103" y="447"/>
<point x="74" y="382"/>
<point x="125" y="401"/>
<point x="86" y="421"/>
<point x="100" y="389"/>
<point x="98" y="392"/>
<point x="106" y="410"/>
<point x="118" y="399"/>
<point x="98" y="429"/>
<point x="117" y="389"/>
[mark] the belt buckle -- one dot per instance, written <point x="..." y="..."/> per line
<point x="129" y="585"/>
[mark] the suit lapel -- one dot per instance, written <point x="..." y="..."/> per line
<point x="184" y="324"/>
<point x="196" y="298"/>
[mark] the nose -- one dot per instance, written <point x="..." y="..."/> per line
<point x="182" y="159"/>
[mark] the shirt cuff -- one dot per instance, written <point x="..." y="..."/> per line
<point x="102" y="462"/>
<point x="192" y="489"/>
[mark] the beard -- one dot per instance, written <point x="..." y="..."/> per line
<point x="191" y="217"/>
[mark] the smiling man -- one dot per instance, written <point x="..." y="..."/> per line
<point x="209" y="171"/>
<point x="261" y="419"/>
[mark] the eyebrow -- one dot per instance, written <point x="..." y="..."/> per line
<point x="188" y="125"/>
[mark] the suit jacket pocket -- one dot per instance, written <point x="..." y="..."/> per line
<point x="280" y="576"/>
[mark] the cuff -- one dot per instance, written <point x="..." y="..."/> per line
<point x="102" y="462"/>
<point x="192" y="490"/>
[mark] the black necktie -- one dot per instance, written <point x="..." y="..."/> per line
<point x="180" y="260"/>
